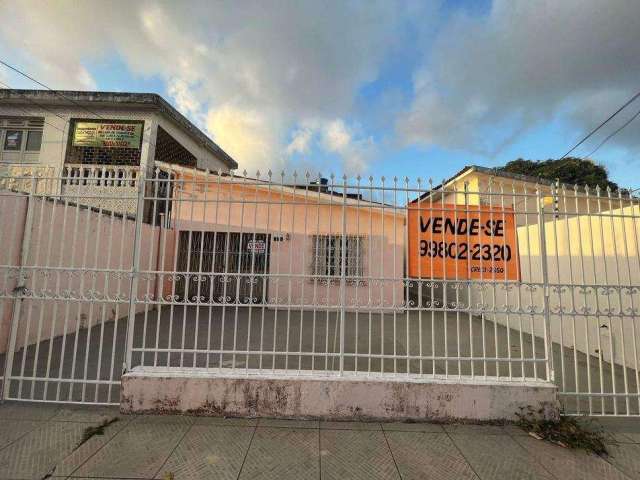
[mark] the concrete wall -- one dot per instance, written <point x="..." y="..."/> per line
<point x="347" y="398"/>
<point x="600" y="250"/>
<point x="74" y="246"/>
<point x="297" y="217"/>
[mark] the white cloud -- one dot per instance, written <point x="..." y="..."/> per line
<point x="524" y="63"/>
<point x="250" y="135"/>
<point x="300" y="141"/>
<point x="336" y="137"/>
<point x="185" y="99"/>
<point x="256" y="67"/>
<point x="341" y="139"/>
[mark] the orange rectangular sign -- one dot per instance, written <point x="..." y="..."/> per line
<point x="462" y="242"/>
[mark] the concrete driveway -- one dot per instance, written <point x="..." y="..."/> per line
<point x="260" y="337"/>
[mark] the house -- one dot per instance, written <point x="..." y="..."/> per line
<point x="579" y="240"/>
<point x="98" y="141"/>
<point x="477" y="185"/>
<point x="286" y="245"/>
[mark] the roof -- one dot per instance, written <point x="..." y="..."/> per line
<point x="84" y="99"/>
<point x="292" y="188"/>
<point x="494" y="172"/>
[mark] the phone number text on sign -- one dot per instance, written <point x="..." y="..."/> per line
<point x="462" y="242"/>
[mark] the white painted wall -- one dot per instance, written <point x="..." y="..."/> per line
<point x="56" y="132"/>
<point x="598" y="250"/>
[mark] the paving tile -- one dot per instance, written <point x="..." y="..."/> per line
<point x="620" y="429"/>
<point x="495" y="457"/>
<point x="35" y="454"/>
<point x="28" y="410"/>
<point x="85" y="451"/>
<point x="412" y="427"/>
<point x="283" y="423"/>
<point x="282" y="454"/>
<point x="355" y="455"/>
<point x="12" y="430"/>
<point x="626" y="458"/>
<point x="226" y="421"/>
<point x="209" y="452"/>
<point x="626" y="437"/>
<point x="566" y="463"/>
<point x="619" y="424"/>
<point x="350" y="426"/>
<point x="138" y="451"/>
<point x="475" y="429"/>
<point x="86" y="413"/>
<point x="428" y="456"/>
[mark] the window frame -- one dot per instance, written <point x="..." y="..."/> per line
<point x="28" y="135"/>
<point x="328" y="247"/>
<point x="5" y="136"/>
<point x="24" y="125"/>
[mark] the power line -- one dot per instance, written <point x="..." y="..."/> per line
<point x="35" y="103"/>
<point x="631" y="100"/>
<point x="31" y="113"/>
<point x="614" y="133"/>
<point x="56" y="92"/>
<point x="60" y="94"/>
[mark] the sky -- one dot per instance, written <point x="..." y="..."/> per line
<point x="370" y="88"/>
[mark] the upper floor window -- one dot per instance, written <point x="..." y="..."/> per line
<point x="20" y="139"/>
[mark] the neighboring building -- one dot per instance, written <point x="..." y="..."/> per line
<point x="577" y="240"/>
<point x="99" y="136"/>
<point x="477" y="185"/>
<point x="284" y="245"/>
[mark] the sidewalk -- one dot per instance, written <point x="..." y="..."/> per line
<point x="37" y="440"/>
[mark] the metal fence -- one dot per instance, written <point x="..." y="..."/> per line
<point x="301" y="275"/>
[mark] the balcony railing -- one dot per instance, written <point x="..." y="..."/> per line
<point x="100" y="175"/>
<point x="108" y="187"/>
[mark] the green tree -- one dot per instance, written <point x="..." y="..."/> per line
<point x="570" y="170"/>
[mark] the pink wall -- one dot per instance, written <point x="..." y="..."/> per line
<point x="65" y="242"/>
<point x="12" y="214"/>
<point x="297" y="216"/>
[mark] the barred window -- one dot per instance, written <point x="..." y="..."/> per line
<point x="327" y="256"/>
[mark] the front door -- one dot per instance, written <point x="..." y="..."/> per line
<point x="223" y="267"/>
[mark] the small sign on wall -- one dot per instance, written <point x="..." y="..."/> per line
<point x="462" y="242"/>
<point x="107" y="135"/>
<point x="256" y="246"/>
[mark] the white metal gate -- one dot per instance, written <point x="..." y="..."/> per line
<point x="102" y="271"/>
